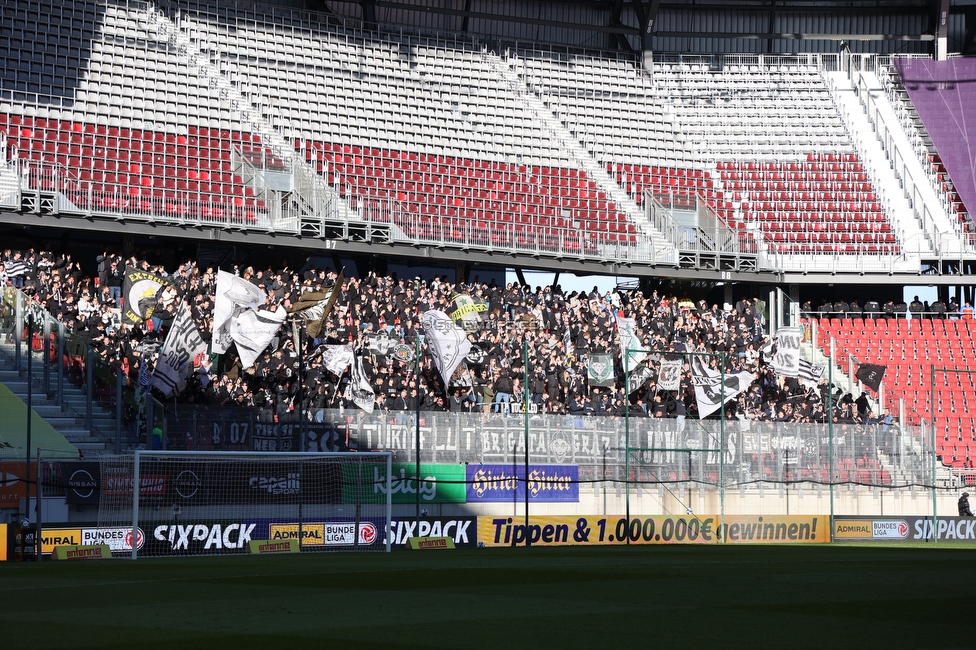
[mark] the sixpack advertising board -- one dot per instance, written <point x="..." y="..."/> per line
<point x="506" y="483"/>
<point x="462" y="530"/>
<point x="904" y="529"/>
<point x="577" y="530"/>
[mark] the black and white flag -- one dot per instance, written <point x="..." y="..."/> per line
<point x="359" y="391"/>
<point x="183" y="344"/>
<point x="809" y="371"/>
<point x="380" y="345"/>
<point x="708" y="386"/>
<point x="447" y="342"/>
<point x="786" y="362"/>
<point x="638" y="377"/>
<point x="336" y="358"/>
<point x="669" y="375"/>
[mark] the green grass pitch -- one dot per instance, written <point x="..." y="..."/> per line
<point x="641" y="597"/>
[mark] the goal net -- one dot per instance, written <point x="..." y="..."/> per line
<point x="210" y="503"/>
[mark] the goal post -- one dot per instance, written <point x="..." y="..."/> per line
<point x="215" y="503"/>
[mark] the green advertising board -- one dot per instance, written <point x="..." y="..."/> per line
<point x="439" y="483"/>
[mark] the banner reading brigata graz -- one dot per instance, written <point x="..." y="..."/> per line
<point x="904" y="529"/>
<point x="572" y="530"/>
<point x="506" y="483"/>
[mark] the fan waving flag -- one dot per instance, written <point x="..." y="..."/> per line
<point x="448" y="343"/>
<point x="871" y="375"/>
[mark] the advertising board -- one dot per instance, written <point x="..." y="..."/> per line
<point x="439" y="483"/>
<point x="904" y="529"/>
<point x="12" y="486"/>
<point x="506" y="483"/>
<point x="462" y="530"/>
<point x="562" y="530"/>
<point x="118" y="539"/>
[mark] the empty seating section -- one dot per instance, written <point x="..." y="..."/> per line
<point x="784" y="162"/>
<point x="751" y="108"/>
<point x="607" y="103"/>
<point x="496" y="203"/>
<point x="824" y="204"/>
<point x="113" y="168"/>
<point x="431" y="127"/>
<point x="129" y="128"/>
<point x="909" y="349"/>
<point x="361" y="90"/>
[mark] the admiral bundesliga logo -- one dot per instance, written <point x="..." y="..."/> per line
<point x="872" y="529"/>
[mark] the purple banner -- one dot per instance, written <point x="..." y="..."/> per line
<point x="506" y="483"/>
<point x="944" y="94"/>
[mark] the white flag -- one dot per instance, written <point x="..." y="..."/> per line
<point x="786" y="363"/>
<point x="234" y="296"/>
<point x="708" y="386"/>
<point x="448" y="343"/>
<point x="627" y="335"/>
<point x="359" y="390"/>
<point x="253" y="330"/>
<point x="669" y="376"/>
<point x="182" y="345"/>
<point x="336" y="358"/>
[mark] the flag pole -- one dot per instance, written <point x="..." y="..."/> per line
<point x="525" y="389"/>
<point x="416" y="485"/>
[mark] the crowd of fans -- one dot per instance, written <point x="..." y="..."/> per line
<point x="555" y="330"/>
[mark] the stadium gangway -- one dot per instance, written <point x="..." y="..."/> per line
<point x="61" y="358"/>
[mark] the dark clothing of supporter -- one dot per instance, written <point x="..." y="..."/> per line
<point x="964" y="510"/>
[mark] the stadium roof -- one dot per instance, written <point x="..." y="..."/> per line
<point x="622" y="23"/>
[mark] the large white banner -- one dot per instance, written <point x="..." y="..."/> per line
<point x="182" y="345"/>
<point x="786" y="362"/>
<point x="448" y="343"/>
<point x="234" y="296"/>
<point x="708" y="386"/>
